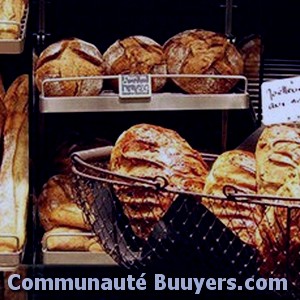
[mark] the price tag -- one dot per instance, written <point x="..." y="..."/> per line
<point x="135" y="86"/>
<point x="281" y="101"/>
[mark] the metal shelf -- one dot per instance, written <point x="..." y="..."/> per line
<point x="108" y="101"/>
<point x="10" y="46"/>
<point x="158" y="102"/>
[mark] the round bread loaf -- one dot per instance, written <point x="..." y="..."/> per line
<point x="202" y="52"/>
<point x="137" y="55"/>
<point x="70" y="58"/>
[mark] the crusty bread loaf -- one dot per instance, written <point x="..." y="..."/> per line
<point x="65" y="239"/>
<point x="202" y="52"/>
<point x="57" y="205"/>
<point x="11" y="10"/>
<point x="14" y="177"/>
<point x="278" y="173"/>
<point x="148" y="151"/>
<point x="236" y="168"/>
<point x="16" y="98"/>
<point x="70" y="58"/>
<point x="14" y="181"/>
<point x="137" y="55"/>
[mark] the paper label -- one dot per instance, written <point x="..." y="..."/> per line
<point x="281" y="101"/>
<point x="135" y="86"/>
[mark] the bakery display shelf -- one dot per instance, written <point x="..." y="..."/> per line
<point x="54" y="257"/>
<point x="10" y="260"/>
<point x="15" y="46"/>
<point x="109" y="101"/>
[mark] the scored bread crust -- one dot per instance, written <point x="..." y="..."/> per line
<point x="11" y="10"/>
<point x="137" y="55"/>
<point x="147" y="151"/>
<point x="202" y="52"/>
<point x="70" y="58"/>
<point x="57" y="205"/>
<point x="278" y="174"/>
<point x="235" y="168"/>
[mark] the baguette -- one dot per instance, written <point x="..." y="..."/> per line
<point x="12" y="209"/>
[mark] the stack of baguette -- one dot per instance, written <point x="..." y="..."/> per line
<point x="14" y="176"/>
<point x="11" y="11"/>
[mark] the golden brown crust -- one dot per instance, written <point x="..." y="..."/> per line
<point x="57" y="205"/>
<point x="14" y="181"/>
<point x="148" y="151"/>
<point x="65" y="239"/>
<point x="16" y="98"/>
<point x="236" y="168"/>
<point x="202" y="52"/>
<point x="137" y="55"/>
<point x="11" y="10"/>
<point x="70" y="58"/>
<point x="278" y="173"/>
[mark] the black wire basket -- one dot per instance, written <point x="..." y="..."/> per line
<point x="188" y="235"/>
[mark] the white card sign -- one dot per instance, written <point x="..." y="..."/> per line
<point x="281" y="101"/>
<point x="135" y="86"/>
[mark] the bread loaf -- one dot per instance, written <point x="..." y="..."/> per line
<point x="14" y="177"/>
<point x="57" y="207"/>
<point x="147" y="151"/>
<point x="11" y="10"/>
<point x="202" y="52"/>
<point x="137" y="55"/>
<point x="16" y="98"/>
<point x="278" y="174"/>
<point x="70" y="58"/>
<point x="70" y="239"/>
<point x="14" y="182"/>
<point x="236" y="168"/>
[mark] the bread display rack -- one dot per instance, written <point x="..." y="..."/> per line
<point x="15" y="46"/>
<point x="109" y="101"/>
<point x="74" y="257"/>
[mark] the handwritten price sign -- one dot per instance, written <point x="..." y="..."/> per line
<point x="281" y="101"/>
<point x="135" y="86"/>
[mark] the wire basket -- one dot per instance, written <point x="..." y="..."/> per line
<point x="188" y="235"/>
